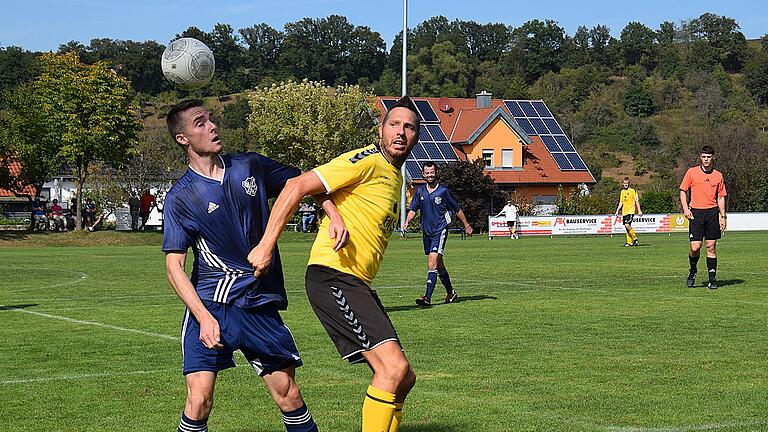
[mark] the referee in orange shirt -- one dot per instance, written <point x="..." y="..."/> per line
<point x="706" y="212"/>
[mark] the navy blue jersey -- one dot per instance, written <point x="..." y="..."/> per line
<point x="222" y="221"/>
<point x="435" y="207"/>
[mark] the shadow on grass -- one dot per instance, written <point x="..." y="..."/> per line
<point x="460" y="300"/>
<point x="14" y="235"/>
<point x="15" y="307"/>
<point x="726" y="282"/>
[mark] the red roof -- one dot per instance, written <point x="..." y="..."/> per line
<point x="463" y="119"/>
<point x="15" y="168"/>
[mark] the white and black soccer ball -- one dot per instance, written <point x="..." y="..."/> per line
<point x="188" y="63"/>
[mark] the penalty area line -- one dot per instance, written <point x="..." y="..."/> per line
<point x="96" y="324"/>
<point x="691" y="428"/>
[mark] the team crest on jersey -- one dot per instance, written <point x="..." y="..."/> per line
<point x="250" y="186"/>
<point x="438" y="200"/>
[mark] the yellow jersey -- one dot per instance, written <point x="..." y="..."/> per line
<point x="627" y="199"/>
<point x="366" y="190"/>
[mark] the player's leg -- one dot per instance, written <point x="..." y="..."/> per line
<point x="432" y="248"/>
<point x="712" y="263"/>
<point x="285" y="392"/>
<point x="628" y="228"/>
<point x="392" y="380"/>
<point x="270" y="349"/>
<point x="513" y="229"/>
<point x="199" y="402"/>
<point x="693" y="260"/>
<point x="442" y="272"/>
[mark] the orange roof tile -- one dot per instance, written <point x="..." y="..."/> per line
<point x="15" y="168"/>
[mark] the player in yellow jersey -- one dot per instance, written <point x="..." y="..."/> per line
<point x="628" y="204"/>
<point x="365" y="185"/>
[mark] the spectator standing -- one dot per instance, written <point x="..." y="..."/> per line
<point x="134" y="206"/>
<point x="146" y="202"/>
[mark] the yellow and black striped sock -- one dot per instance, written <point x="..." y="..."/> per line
<point x="397" y="418"/>
<point x="378" y="410"/>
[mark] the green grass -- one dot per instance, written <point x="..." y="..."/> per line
<point x="552" y="334"/>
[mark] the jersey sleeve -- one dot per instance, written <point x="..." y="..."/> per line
<point x="176" y="236"/>
<point x="343" y="171"/>
<point x="276" y="174"/>
<point x="686" y="183"/>
<point x="450" y="201"/>
<point x="415" y="204"/>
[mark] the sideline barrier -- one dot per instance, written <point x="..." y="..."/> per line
<point x="610" y="224"/>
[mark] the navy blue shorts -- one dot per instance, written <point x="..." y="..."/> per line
<point x="435" y="243"/>
<point x="259" y="333"/>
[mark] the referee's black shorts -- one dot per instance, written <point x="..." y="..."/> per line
<point x="349" y="310"/>
<point x="705" y="224"/>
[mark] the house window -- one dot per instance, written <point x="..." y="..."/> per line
<point x="488" y="158"/>
<point x="506" y="158"/>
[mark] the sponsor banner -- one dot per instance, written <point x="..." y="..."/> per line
<point x="594" y="224"/>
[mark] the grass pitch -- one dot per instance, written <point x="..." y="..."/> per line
<point x="551" y="334"/>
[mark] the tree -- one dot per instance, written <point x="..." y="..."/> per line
<point x="439" y="71"/>
<point x="306" y="124"/>
<point x="638" y="101"/>
<point x="474" y="190"/>
<point x="17" y="66"/>
<point x="79" y="114"/>
<point x="264" y="47"/>
<point x="535" y="48"/>
<point x="637" y="45"/>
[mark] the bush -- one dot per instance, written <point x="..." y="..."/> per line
<point x="657" y="202"/>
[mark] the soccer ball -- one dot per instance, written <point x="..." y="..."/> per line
<point x="188" y="63"/>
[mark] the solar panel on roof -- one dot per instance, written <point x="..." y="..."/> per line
<point x="414" y="169"/>
<point x="526" y="125"/>
<point x="552" y="125"/>
<point x="541" y="109"/>
<point x="437" y="133"/>
<point x="566" y="145"/>
<point x="447" y="150"/>
<point x="424" y="135"/>
<point x="539" y="126"/>
<point x="418" y="152"/>
<point x="562" y="161"/>
<point x="389" y="103"/>
<point x="514" y="108"/>
<point x="427" y="113"/>
<point x="528" y="109"/>
<point x="433" y="151"/>
<point x="576" y="161"/>
<point x="550" y="142"/>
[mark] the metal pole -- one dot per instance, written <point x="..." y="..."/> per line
<point x="404" y="171"/>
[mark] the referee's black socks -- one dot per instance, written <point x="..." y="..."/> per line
<point x="694" y="260"/>
<point x="712" y="268"/>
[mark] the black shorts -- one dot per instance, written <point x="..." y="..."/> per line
<point x="627" y="219"/>
<point x="349" y="310"/>
<point x="705" y="224"/>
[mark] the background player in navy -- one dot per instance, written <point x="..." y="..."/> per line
<point x="436" y="203"/>
<point x="219" y="208"/>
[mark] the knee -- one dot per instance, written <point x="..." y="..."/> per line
<point x="711" y="249"/>
<point x="199" y="405"/>
<point x="398" y="372"/>
<point x="408" y="381"/>
<point x="288" y="398"/>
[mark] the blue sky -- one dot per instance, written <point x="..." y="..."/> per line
<point x="43" y="25"/>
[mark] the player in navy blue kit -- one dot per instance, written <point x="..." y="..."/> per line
<point x="436" y="203"/>
<point x="219" y="208"/>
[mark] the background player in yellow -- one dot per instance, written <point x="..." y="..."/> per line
<point x="365" y="185"/>
<point x="629" y="204"/>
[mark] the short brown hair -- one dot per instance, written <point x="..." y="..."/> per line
<point x="404" y="102"/>
<point x="626" y="178"/>
<point x="174" y="121"/>
<point x="707" y="149"/>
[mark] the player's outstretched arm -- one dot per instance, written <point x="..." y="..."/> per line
<point x="295" y="189"/>
<point x="210" y="334"/>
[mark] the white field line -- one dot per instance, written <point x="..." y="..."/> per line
<point x="108" y="326"/>
<point x="84" y="376"/>
<point x="692" y="428"/>
<point x="81" y="276"/>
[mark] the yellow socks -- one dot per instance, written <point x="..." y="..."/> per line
<point x="398" y="417"/>
<point x="629" y="238"/>
<point x="632" y="233"/>
<point x="378" y="410"/>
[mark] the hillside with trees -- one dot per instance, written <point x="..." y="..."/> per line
<point x="639" y="104"/>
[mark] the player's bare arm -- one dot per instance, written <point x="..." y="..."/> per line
<point x="337" y="230"/>
<point x="684" y="201"/>
<point x="286" y="204"/>
<point x="637" y="205"/>
<point x="210" y="334"/>
<point x="463" y="218"/>
<point x="723" y="217"/>
<point x="408" y="219"/>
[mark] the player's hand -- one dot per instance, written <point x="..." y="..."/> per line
<point x="687" y="213"/>
<point x="640" y="214"/>
<point x="210" y="334"/>
<point x="338" y="232"/>
<point x="723" y="224"/>
<point x="260" y="259"/>
<point x="468" y="230"/>
<point x="405" y="227"/>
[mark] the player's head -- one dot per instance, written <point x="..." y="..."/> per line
<point x="399" y="131"/>
<point x="625" y="183"/>
<point x="429" y="171"/>
<point x="190" y="125"/>
<point x="509" y="201"/>
<point x="706" y="156"/>
<point x="55" y="201"/>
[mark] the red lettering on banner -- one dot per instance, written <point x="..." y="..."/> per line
<point x="559" y="221"/>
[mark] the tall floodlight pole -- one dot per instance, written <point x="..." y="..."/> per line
<point x="404" y="171"/>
